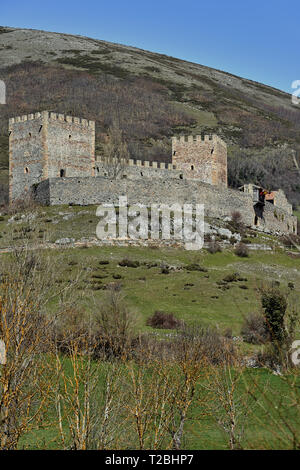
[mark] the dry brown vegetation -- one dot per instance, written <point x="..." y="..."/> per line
<point x="164" y="320"/>
<point x="138" y="106"/>
<point x="142" y="108"/>
<point x="25" y="329"/>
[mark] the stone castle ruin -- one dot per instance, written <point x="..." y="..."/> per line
<point x="52" y="156"/>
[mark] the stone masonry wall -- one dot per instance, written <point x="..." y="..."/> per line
<point x="281" y="201"/>
<point x="85" y="191"/>
<point x="218" y="203"/>
<point x="276" y="219"/>
<point x="43" y="144"/>
<point x="71" y="146"/>
<point x="141" y="169"/>
<point x="27" y="140"/>
<point x="201" y="157"/>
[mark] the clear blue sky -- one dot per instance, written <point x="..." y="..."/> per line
<point x="256" y="39"/>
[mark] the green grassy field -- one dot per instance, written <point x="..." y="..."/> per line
<point x="191" y="295"/>
<point x="194" y="296"/>
<point x="265" y="427"/>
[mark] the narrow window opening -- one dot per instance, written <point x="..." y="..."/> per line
<point x="62" y="173"/>
<point x="174" y="153"/>
<point x="181" y="177"/>
<point x="70" y="136"/>
<point x="26" y="170"/>
<point x="256" y="220"/>
<point x="29" y="134"/>
<point x="192" y="167"/>
<point x="41" y="127"/>
<point x="141" y="173"/>
<point x="212" y="151"/>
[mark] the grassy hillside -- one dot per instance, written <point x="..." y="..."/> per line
<point x="151" y="97"/>
<point x="220" y="295"/>
<point x="202" y="297"/>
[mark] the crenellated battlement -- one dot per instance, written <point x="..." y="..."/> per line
<point x="135" y="163"/>
<point x="26" y="117"/>
<point x="199" y="138"/>
<point x="51" y="116"/>
<point x="147" y="164"/>
<point x="201" y="157"/>
<point x="46" y="145"/>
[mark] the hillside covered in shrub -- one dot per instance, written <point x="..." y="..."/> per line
<point x="151" y="97"/>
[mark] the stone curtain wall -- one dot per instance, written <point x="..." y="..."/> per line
<point x="277" y="219"/>
<point x="201" y="157"/>
<point x="142" y="169"/>
<point x="218" y="203"/>
<point x="43" y="144"/>
<point x="85" y="191"/>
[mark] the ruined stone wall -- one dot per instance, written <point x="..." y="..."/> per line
<point x="278" y="220"/>
<point x="43" y="144"/>
<point x="278" y="198"/>
<point x="281" y="201"/>
<point x="201" y="157"/>
<point x="218" y="203"/>
<point x="84" y="191"/>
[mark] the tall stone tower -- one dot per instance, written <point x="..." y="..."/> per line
<point x="48" y="145"/>
<point x="201" y="157"/>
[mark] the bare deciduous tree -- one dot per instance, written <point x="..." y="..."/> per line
<point x="230" y="401"/>
<point x="115" y="152"/>
<point x="26" y="288"/>
<point x="115" y="324"/>
<point x="24" y="378"/>
<point x="88" y="398"/>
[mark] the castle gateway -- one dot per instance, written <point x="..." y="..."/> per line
<point x="52" y="156"/>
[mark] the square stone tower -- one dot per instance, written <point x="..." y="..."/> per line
<point x="48" y="145"/>
<point x="201" y="157"/>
